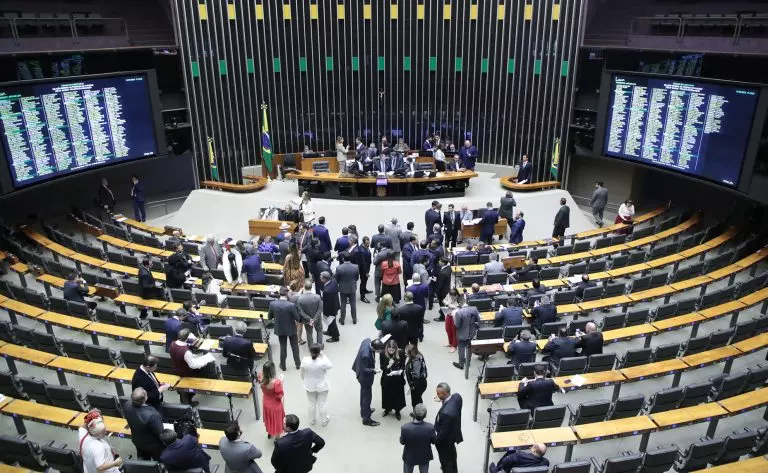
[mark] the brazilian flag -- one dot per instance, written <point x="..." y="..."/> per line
<point x="266" y="141"/>
<point x="555" y="158"/>
<point x="212" y="161"/>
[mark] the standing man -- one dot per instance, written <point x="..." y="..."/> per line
<point x="393" y="230"/>
<point x="413" y="315"/>
<point x="431" y="217"/>
<point x="146" y="424"/>
<point x="562" y="220"/>
<point x="405" y="235"/>
<point x="466" y="320"/>
<point x="310" y="308"/>
<point x="144" y="377"/>
<point x="295" y="451"/>
<point x="347" y="275"/>
<point x="443" y="284"/>
<point x="516" y="229"/>
<point x="408" y="250"/>
<point x="210" y="254"/>
<point x="417" y="438"/>
<point x="137" y="195"/>
<point x="238" y="350"/>
<point x="365" y="369"/>
<point x="468" y="154"/>
<point x="106" y="199"/>
<point x="342" y="243"/>
<point x="507" y="208"/>
<point x="285" y="315"/>
<point x="239" y="455"/>
<point x="525" y="174"/>
<point x="321" y="233"/>
<point x="599" y="202"/>
<point x="361" y="256"/>
<point x="488" y="223"/>
<point x="381" y="240"/>
<point x="448" y="428"/>
<point x="379" y="257"/>
<point x="451" y="225"/>
<point x="330" y="294"/>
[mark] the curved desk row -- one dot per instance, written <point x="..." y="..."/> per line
<point x="257" y="184"/>
<point x="509" y="182"/>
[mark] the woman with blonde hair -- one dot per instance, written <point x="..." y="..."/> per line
<point x="384" y="310"/>
<point x="392" y="363"/>
<point x="306" y="211"/>
<point x="341" y="154"/>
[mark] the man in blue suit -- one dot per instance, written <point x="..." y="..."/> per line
<point x="432" y="216"/>
<point x="516" y="233"/>
<point x="365" y="369"/>
<point x="184" y="453"/>
<point x="525" y="173"/>
<point x="321" y="233"/>
<point x="468" y="154"/>
<point x="137" y="195"/>
<point x="487" y="223"/>
<point x="342" y="243"/>
<point x="295" y="451"/>
<point x="417" y="438"/>
<point x="448" y="427"/>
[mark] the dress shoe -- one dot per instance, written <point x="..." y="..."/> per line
<point x="377" y="298"/>
<point x="332" y="340"/>
<point x="386" y="413"/>
<point x="458" y="365"/>
<point x="354" y="322"/>
<point x="341" y="322"/>
<point x="282" y="367"/>
<point x="363" y="299"/>
<point x="298" y="366"/>
<point x="371" y="423"/>
<point x="426" y="321"/>
<point x="439" y="319"/>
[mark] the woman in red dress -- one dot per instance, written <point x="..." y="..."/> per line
<point x="273" y="409"/>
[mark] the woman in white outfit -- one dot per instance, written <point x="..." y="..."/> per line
<point x="305" y="207"/>
<point x="341" y="154"/>
<point x="314" y="372"/>
<point x="212" y="286"/>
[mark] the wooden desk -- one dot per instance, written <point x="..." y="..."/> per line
<point x="509" y="182"/>
<point x="753" y="258"/>
<point x="660" y="262"/>
<point x="710" y="357"/>
<point x="89" y="260"/>
<point x="80" y="367"/>
<point x="752" y="465"/>
<point x="152" y="338"/>
<point x="208" y="438"/>
<point x="688" y="415"/>
<point x="604" y="303"/>
<point x="755" y="297"/>
<point x="591" y="381"/>
<point x="608" y="250"/>
<point x="643" y="241"/>
<point x="214" y="386"/>
<point x="654" y="370"/>
<point x="628" y="333"/>
<point x="253" y="288"/>
<point x="473" y="231"/>
<point x="752" y="344"/>
<point x="59" y="282"/>
<point x="724" y="272"/>
<point x="14" y="469"/>
<point x="678" y="322"/>
<point x="51" y="415"/>
<point x="149" y="250"/>
<point x="722" y="309"/>
<point x="140" y="302"/>
<point x="611" y="429"/>
<point x="268" y="227"/>
<point x="719" y="240"/>
<point x="27" y="355"/>
<point x="635" y="268"/>
<point x="690" y="283"/>
<point x="745" y="402"/>
<point x="143" y="226"/>
<point x="114" y="425"/>
<point x="66" y="321"/>
<point x="525" y="438"/>
<point x="124" y="375"/>
<point x="15" y="307"/>
<point x="112" y="331"/>
<point x="241" y="314"/>
<point x="212" y="345"/>
<point x="651" y="293"/>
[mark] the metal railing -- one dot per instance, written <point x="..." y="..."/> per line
<point x="163" y="203"/>
<point x="110" y="27"/>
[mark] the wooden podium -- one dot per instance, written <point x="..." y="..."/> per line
<point x="267" y="227"/>
<point x="473" y="231"/>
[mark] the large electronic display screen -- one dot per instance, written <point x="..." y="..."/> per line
<point x="694" y="127"/>
<point x="57" y="127"/>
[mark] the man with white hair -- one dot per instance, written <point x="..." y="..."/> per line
<point x="419" y="289"/>
<point x="96" y="452"/>
<point x="210" y="254"/>
<point x="493" y="265"/>
<point x="237" y="349"/>
<point x="394" y="232"/>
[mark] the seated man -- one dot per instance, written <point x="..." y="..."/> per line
<point x="185" y="363"/>
<point x="559" y="347"/>
<point x="493" y="266"/>
<point x="512" y="314"/>
<point x="591" y="343"/>
<point x="476" y="293"/>
<point x="483" y="249"/>
<point x="544" y="313"/>
<point x="184" y="453"/>
<point x="521" y="459"/>
<point x="533" y="266"/>
<point x="537" y="392"/>
<point x="584" y="284"/>
<point x="537" y="289"/>
<point x="522" y="349"/>
<point x="238" y="350"/>
<point x="75" y="289"/>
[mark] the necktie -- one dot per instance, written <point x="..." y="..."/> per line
<point x="452" y="219"/>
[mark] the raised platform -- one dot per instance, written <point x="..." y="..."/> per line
<point x="258" y="184"/>
<point x="336" y="186"/>
<point x="508" y="182"/>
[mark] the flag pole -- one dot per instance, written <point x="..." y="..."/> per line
<point x="266" y="142"/>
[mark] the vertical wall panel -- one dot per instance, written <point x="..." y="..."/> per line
<point x="497" y="71"/>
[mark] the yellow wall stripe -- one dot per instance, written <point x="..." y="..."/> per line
<point x="259" y="12"/>
<point x="447" y="11"/>
<point x="367" y="11"/>
<point x="500" y="12"/>
<point x="529" y="12"/>
<point x="286" y="11"/>
<point x="420" y="11"/>
<point x="393" y="11"/>
<point x="231" y="11"/>
<point x="340" y="12"/>
<point x="473" y="11"/>
<point x="203" y="10"/>
<point x="556" y="12"/>
<point x="313" y="13"/>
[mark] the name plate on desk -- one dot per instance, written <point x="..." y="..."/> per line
<point x="381" y="181"/>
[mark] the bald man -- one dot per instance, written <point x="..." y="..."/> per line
<point x="534" y="456"/>
<point x="591" y="343"/>
<point x="146" y="424"/>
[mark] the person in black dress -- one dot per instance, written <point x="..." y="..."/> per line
<point x="392" y="362"/>
<point x="416" y="374"/>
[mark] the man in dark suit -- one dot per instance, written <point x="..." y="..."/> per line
<point x="451" y="226"/>
<point x="559" y="347"/>
<point x="512" y="314"/>
<point x="413" y="314"/>
<point x="75" y="289"/>
<point x="342" y="243"/>
<point x="364" y="367"/>
<point x="525" y="173"/>
<point x="137" y="196"/>
<point x="347" y="275"/>
<point x="405" y="235"/>
<point x="591" y="343"/>
<point x="330" y="293"/>
<point x="285" y="315"/>
<point x="488" y="223"/>
<point x="530" y="267"/>
<point x="584" y="284"/>
<point x="238" y="350"/>
<point x="183" y="453"/>
<point x="431" y="217"/>
<point x="516" y="228"/>
<point x="468" y="154"/>
<point x="408" y="249"/>
<point x="361" y="256"/>
<point x="147" y="287"/>
<point x="419" y="290"/>
<point x="417" y="438"/>
<point x="443" y="284"/>
<point x="544" y="313"/>
<point x="144" y="377"/>
<point x="522" y="349"/>
<point x="397" y="328"/>
<point x="322" y="235"/>
<point x="295" y="451"/>
<point x="381" y="240"/>
<point x="525" y="459"/>
<point x="448" y="428"/>
<point x="507" y="208"/>
<point x="536" y="393"/>
<point x="562" y="220"/>
<point x="381" y="165"/>
<point x="537" y="288"/>
<point x="146" y="425"/>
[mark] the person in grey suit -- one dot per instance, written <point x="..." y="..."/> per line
<point x="393" y="230"/>
<point x="562" y="220"/>
<point x="598" y="202"/>
<point x="146" y="424"/>
<point x="285" y="315"/>
<point x="465" y="320"/>
<point x="380" y="257"/>
<point x="310" y="307"/>
<point x="507" y="209"/>
<point x="347" y="275"/>
<point x="238" y="454"/>
<point x="210" y="254"/>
